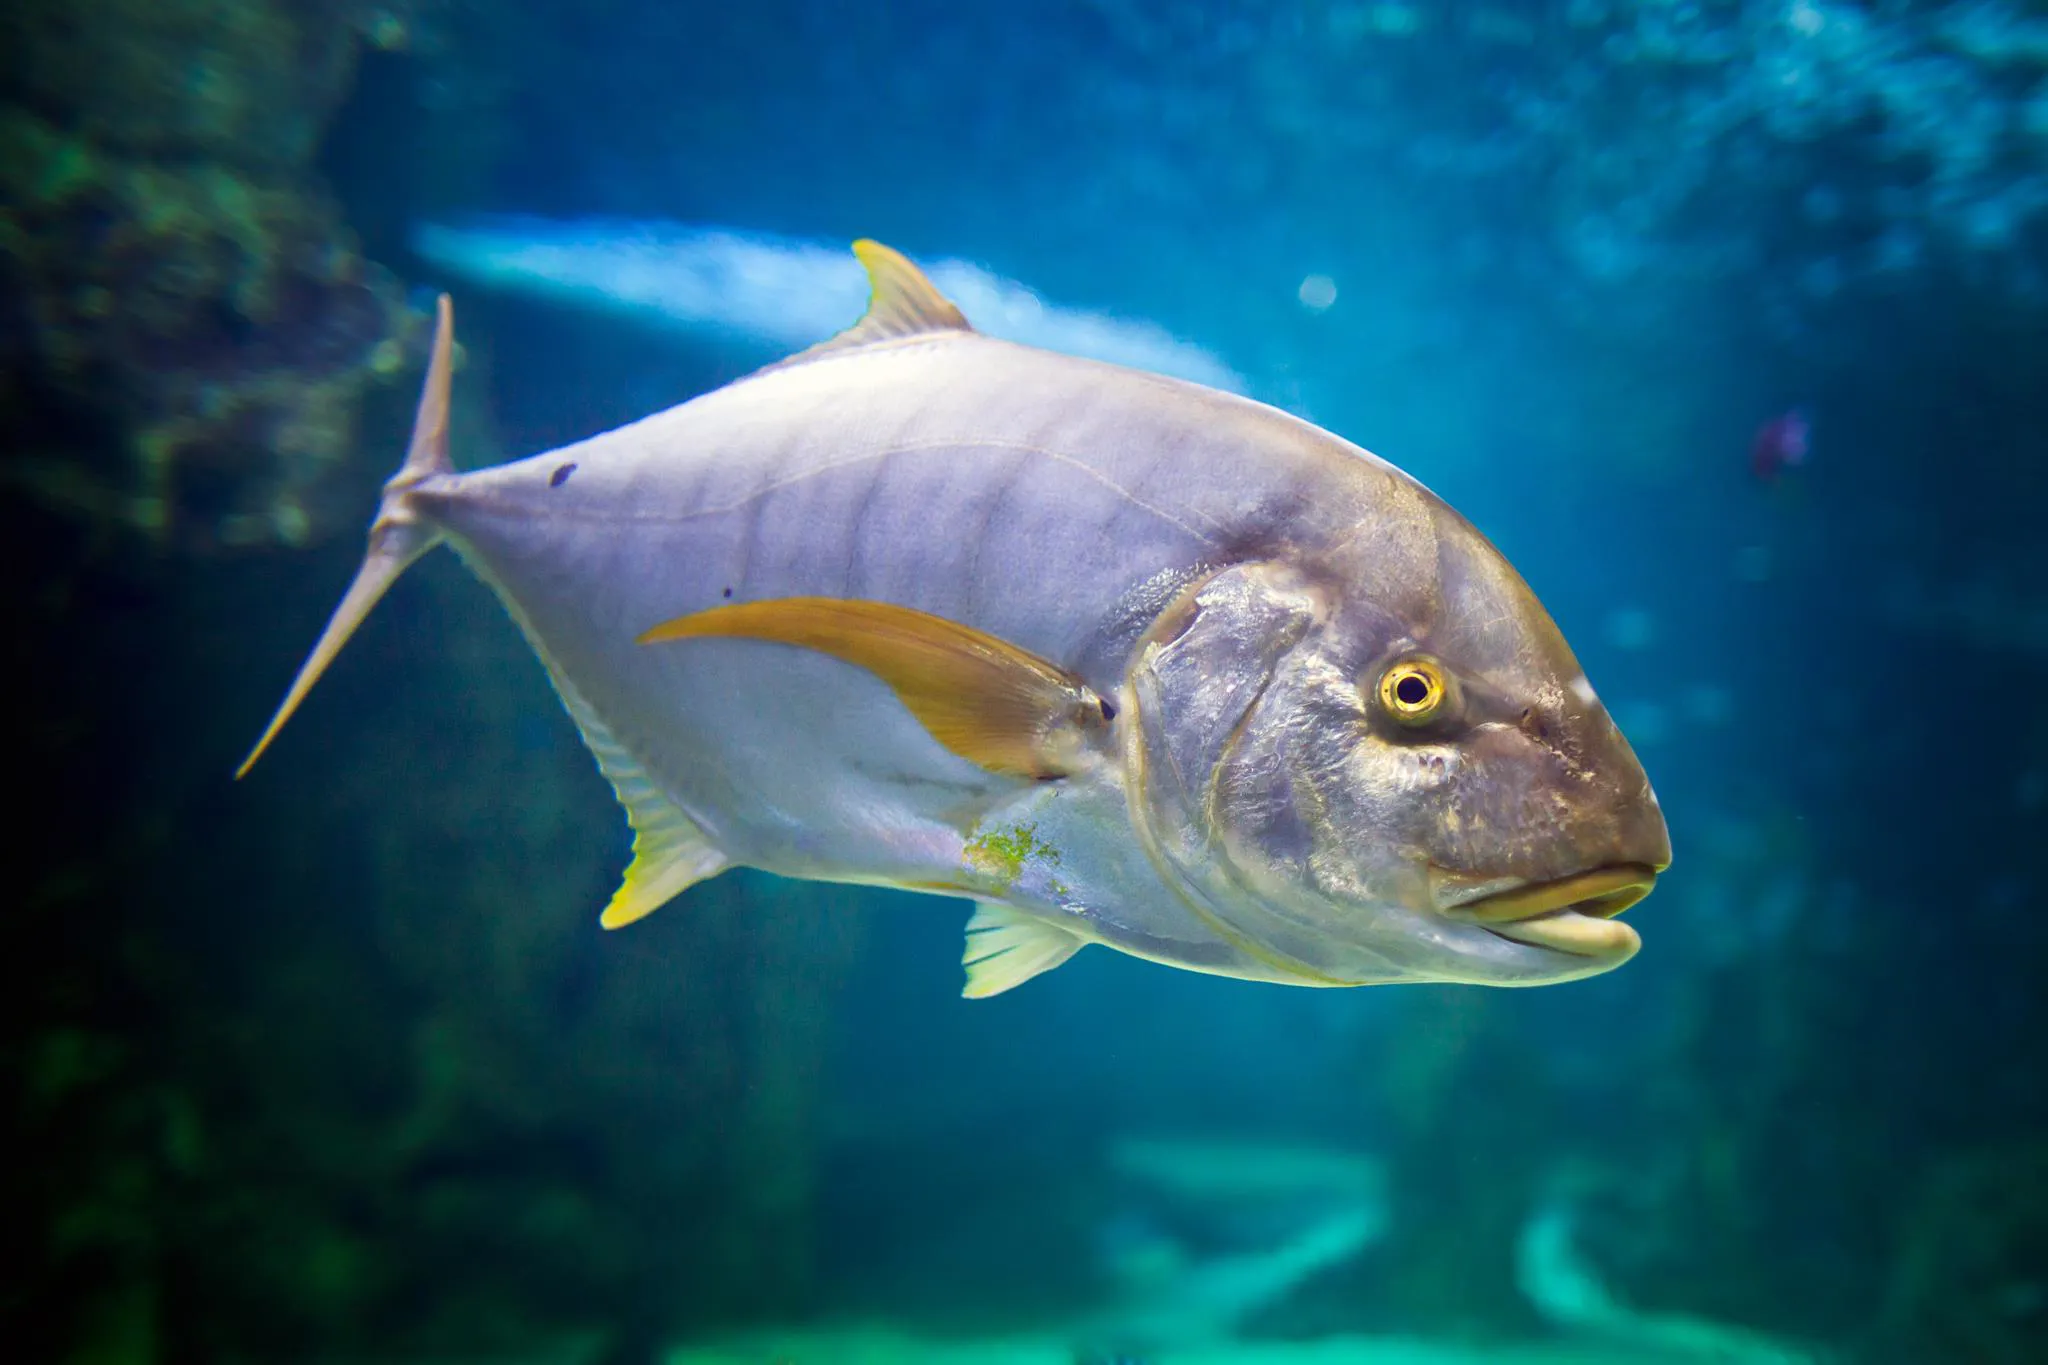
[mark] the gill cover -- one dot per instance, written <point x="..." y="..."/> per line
<point x="1202" y="768"/>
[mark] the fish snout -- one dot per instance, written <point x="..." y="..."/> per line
<point x="1646" y="839"/>
<point x="1575" y="913"/>
<point x="1616" y="819"/>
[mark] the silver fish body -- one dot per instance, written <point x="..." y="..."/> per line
<point x="1224" y="581"/>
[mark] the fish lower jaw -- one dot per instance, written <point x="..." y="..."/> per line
<point x="1601" y="892"/>
<point x="1574" y="934"/>
<point x="1573" y="916"/>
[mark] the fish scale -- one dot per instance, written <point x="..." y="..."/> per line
<point x="920" y="608"/>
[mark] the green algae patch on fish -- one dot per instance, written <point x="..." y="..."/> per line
<point x="1002" y="853"/>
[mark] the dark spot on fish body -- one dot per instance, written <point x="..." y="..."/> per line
<point x="561" y="475"/>
<point x="727" y="592"/>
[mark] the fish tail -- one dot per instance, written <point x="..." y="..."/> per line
<point x="398" y="536"/>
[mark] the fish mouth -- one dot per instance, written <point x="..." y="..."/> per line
<point x="1574" y="915"/>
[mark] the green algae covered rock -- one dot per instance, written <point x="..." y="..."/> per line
<point x="191" y="329"/>
<point x="239" y="81"/>
<point x="1970" y="1282"/>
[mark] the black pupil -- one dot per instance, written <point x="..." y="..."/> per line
<point x="1412" y="690"/>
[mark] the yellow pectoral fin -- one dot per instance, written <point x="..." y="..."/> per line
<point x="983" y="698"/>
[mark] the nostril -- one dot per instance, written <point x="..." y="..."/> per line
<point x="1532" y="724"/>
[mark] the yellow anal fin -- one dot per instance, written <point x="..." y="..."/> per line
<point x="670" y="851"/>
<point x="670" y="855"/>
<point x="1006" y="948"/>
<point x="984" y="699"/>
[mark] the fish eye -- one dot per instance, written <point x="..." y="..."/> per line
<point x="1414" y="691"/>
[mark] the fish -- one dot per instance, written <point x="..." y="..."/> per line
<point x="1118" y="658"/>
<point x="756" y="290"/>
<point x="1780" y="444"/>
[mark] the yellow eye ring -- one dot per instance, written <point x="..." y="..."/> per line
<point x="1415" y="691"/>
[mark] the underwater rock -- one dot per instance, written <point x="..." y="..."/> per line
<point x="1752" y="1209"/>
<point x="191" y="330"/>
<point x="246" y="82"/>
<point x="1240" y="1227"/>
<point x="625" y="1121"/>
<point x="1570" y="1294"/>
<point x="1970" y="1286"/>
<point x="1458" y="1195"/>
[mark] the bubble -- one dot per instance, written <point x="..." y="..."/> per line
<point x="1317" y="293"/>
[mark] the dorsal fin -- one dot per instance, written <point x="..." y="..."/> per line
<point x="901" y="303"/>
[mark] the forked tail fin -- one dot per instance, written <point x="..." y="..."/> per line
<point x="398" y="536"/>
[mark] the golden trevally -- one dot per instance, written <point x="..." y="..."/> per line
<point x="1123" y="659"/>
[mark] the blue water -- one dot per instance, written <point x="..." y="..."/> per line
<point x="375" y="1087"/>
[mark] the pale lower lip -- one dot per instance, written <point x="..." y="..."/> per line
<point x="1568" y="931"/>
<point x="1572" y="915"/>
